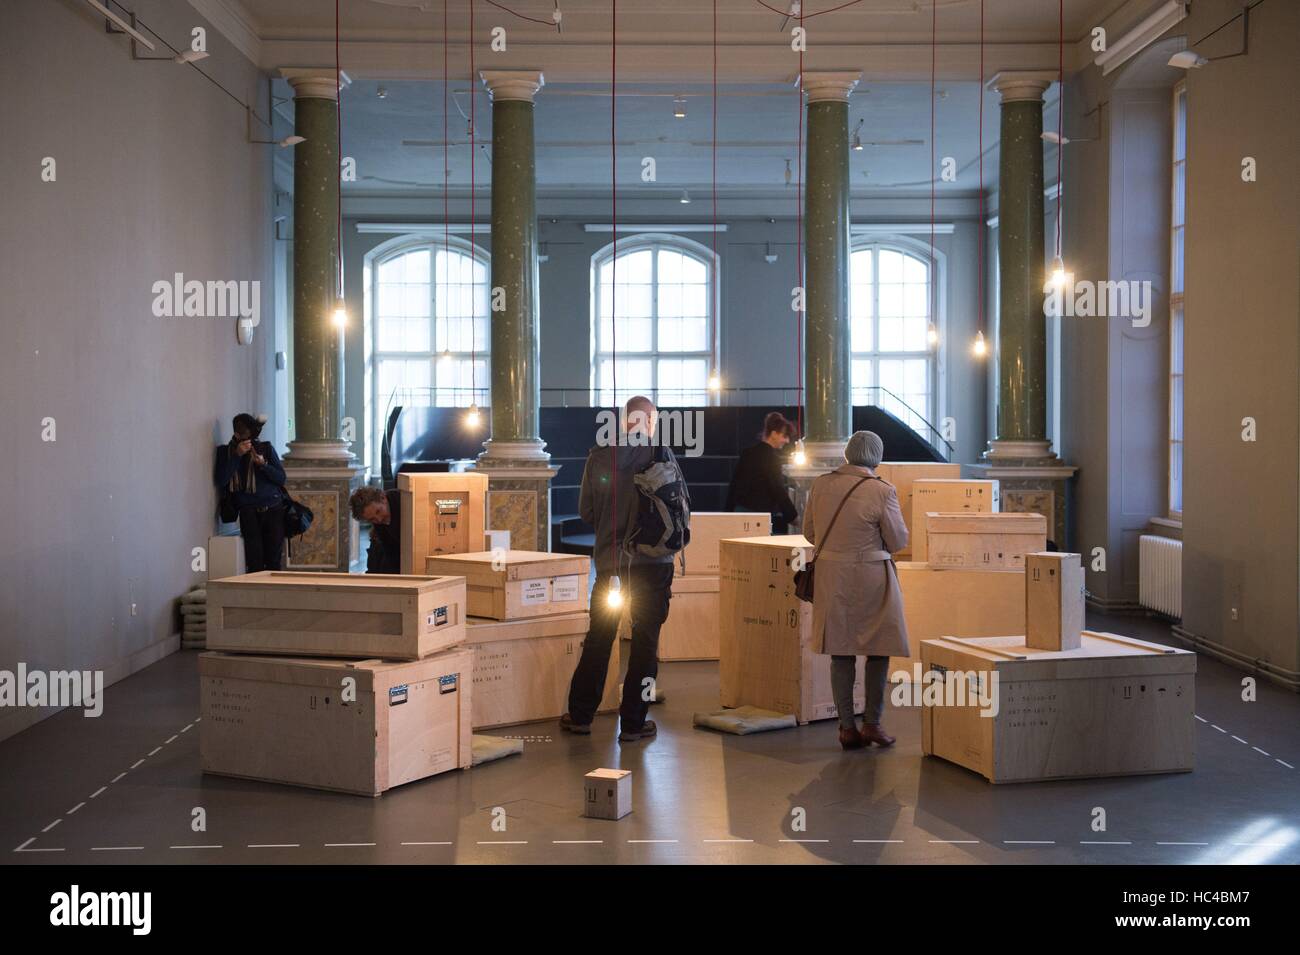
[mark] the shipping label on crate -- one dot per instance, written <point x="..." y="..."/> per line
<point x="534" y="591"/>
<point x="438" y="617"/>
<point x="449" y="683"/>
<point x="565" y="589"/>
<point x="397" y="695"/>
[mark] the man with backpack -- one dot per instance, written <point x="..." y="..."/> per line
<point x="634" y="495"/>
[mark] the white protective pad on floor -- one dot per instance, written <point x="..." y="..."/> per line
<point x="488" y="748"/>
<point x="744" y="720"/>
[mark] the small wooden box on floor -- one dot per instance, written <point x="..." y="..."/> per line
<point x="518" y="584"/>
<point x="902" y="474"/>
<point x="442" y="513"/>
<point x="297" y="613"/>
<point x="1115" y="706"/>
<point x="1053" y="601"/>
<point x="710" y="527"/>
<point x="956" y="603"/>
<point x="300" y="722"/>
<point x="996" y="541"/>
<point x="522" y="668"/>
<point x="950" y="496"/>
<point x="765" y="648"/>
<point x="607" y="793"/>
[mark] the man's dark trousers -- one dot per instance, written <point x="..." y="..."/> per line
<point x="647" y="589"/>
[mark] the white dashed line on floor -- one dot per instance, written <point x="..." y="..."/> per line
<point x="75" y="808"/>
<point x="804" y="840"/>
<point x="426" y="843"/>
<point x="274" y="845"/>
<point x="1283" y="762"/>
<point x="1219" y="728"/>
<point x="1258" y="750"/>
<point x="1240" y="740"/>
<point x="1182" y="843"/>
<point x="98" y="791"/>
<point x="116" y="778"/>
<point x="728" y="840"/>
<point x="503" y="842"/>
<point x="577" y="842"/>
<point x="347" y="845"/>
<point x="154" y="752"/>
<point x="136" y="764"/>
<point x="196" y="847"/>
<point x="955" y="842"/>
<point x="651" y="842"/>
<point x="116" y="848"/>
<point x="53" y="824"/>
<point x="25" y="844"/>
<point x="1086" y="842"/>
<point x="880" y="841"/>
<point x="1029" y="842"/>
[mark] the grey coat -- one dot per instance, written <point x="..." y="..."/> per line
<point x="858" y="604"/>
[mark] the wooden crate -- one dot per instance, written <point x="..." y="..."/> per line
<point x="710" y="527"/>
<point x="518" y="584"/>
<point x="997" y="541"/>
<point x="950" y="495"/>
<point x="765" y="647"/>
<point x="442" y="513"/>
<point x="902" y="474"/>
<point x="1054" y="588"/>
<point x="522" y="668"/>
<point x="296" y="613"/>
<point x="225" y="557"/>
<point x="691" y="630"/>
<point x="1115" y="706"/>
<point x="296" y="721"/>
<point x="956" y="603"/>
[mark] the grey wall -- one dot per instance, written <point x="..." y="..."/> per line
<point x="154" y="177"/>
<point x="1241" y="523"/>
<point x="757" y="330"/>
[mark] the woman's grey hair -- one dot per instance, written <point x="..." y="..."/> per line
<point x="864" y="449"/>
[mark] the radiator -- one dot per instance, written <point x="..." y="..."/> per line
<point x="1160" y="568"/>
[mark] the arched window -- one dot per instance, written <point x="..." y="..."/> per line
<point x="664" y="292"/>
<point x="427" y="337"/>
<point x="889" y="306"/>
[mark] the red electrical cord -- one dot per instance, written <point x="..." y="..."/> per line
<point x="934" y="47"/>
<point x="798" y="256"/>
<point x="714" y="291"/>
<point x="446" y="169"/>
<point x="1060" y="115"/>
<point x="979" y="232"/>
<point x="338" y="130"/>
<point x="473" y="219"/>
<point x="613" y="273"/>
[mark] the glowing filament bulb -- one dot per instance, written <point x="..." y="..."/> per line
<point x="799" y="458"/>
<point x="715" y="381"/>
<point x="340" y="316"/>
<point x="1058" y="272"/>
<point x="614" y="595"/>
<point x="932" y="335"/>
<point x="472" y="417"/>
<point x="981" y="347"/>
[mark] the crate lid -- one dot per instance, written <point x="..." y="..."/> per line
<point x="921" y="484"/>
<point x="421" y="481"/>
<point x="329" y="673"/>
<point x="989" y="522"/>
<point x="609" y="773"/>
<point x="480" y="630"/>
<point x="1098" y="655"/>
<point x="508" y="565"/>
<point x="402" y="584"/>
<point x="782" y="541"/>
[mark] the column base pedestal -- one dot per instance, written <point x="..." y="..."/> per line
<point x="821" y="457"/>
<point x="323" y="475"/>
<point x="1031" y="479"/>
<point x="519" y="477"/>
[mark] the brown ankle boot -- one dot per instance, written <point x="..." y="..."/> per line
<point x="872" y="733"/>
<point x="851" y="739"/>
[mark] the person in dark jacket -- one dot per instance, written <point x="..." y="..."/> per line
<point x="608" y="501"/>
<point x="250" y="473"/>
<point x="382" y="510"/>
<point x="759" y="483"/>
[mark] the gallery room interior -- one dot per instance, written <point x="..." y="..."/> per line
<point x="428" y="418"/>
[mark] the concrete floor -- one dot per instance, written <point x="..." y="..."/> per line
<point x="122" y="789"/>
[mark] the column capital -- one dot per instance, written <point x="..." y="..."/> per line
<point x="519" y="85"/>
<point x="829" y="87"/>
<point x="315" y="83"/>
<point x="1020" y="85"/>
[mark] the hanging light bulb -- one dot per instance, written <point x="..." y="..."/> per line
<point x="614" y="595"/>
<point x="473" y="417"/>
<point x="679" y="107"/>
<point x="686" y="198"/>
<point x="445" y="358"/>
<point x="932" y="335"/>
<point x="857" y="136"/>
<point x="1058" y="272"/>
<point x="715" y="381"/>
<point x="799" y="457"/>
<point x="981" y="347"/>
<point x="340" y="315"/>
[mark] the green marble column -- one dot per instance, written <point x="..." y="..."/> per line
<point x="516" y="352"/>
<point x="317" y="341"/>
<point x="514" y="458"/>
<point x="829" y="411"/>
<point x="1022" y="327"/>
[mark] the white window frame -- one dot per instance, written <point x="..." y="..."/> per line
<point x="397" y="246"/>
<point x="1177" y="306"/>
<point x="936" y="265"/>
<point x="655" y="241"/>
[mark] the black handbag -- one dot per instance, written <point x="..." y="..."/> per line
<point x="803" y="579"/>
<point x="297" y="516"/>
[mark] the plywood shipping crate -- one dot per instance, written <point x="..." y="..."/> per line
<point x="902" y="474"/>
<point x="997" y="541"/>
<point x="518" y="584"/>
<point x="765" y="646"/>
<point x="522" y="668"/>
<point x="294" y="613"/>
<point x="950" y="495"/>
<point x="956" y="603"/>
<point x="607" y="793"/>
<point x="442" y="513"/>
<point x="1115" y="706"/>
<point x="691" y="630"/>
<point x="356" y="727"/>
<point x="710" y="527"/>
<point x="1054" y="589"/>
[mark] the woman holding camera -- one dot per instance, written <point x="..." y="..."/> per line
<point x="251" y="479"/>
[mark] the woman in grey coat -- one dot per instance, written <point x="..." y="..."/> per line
<point x="857" y="604"/>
